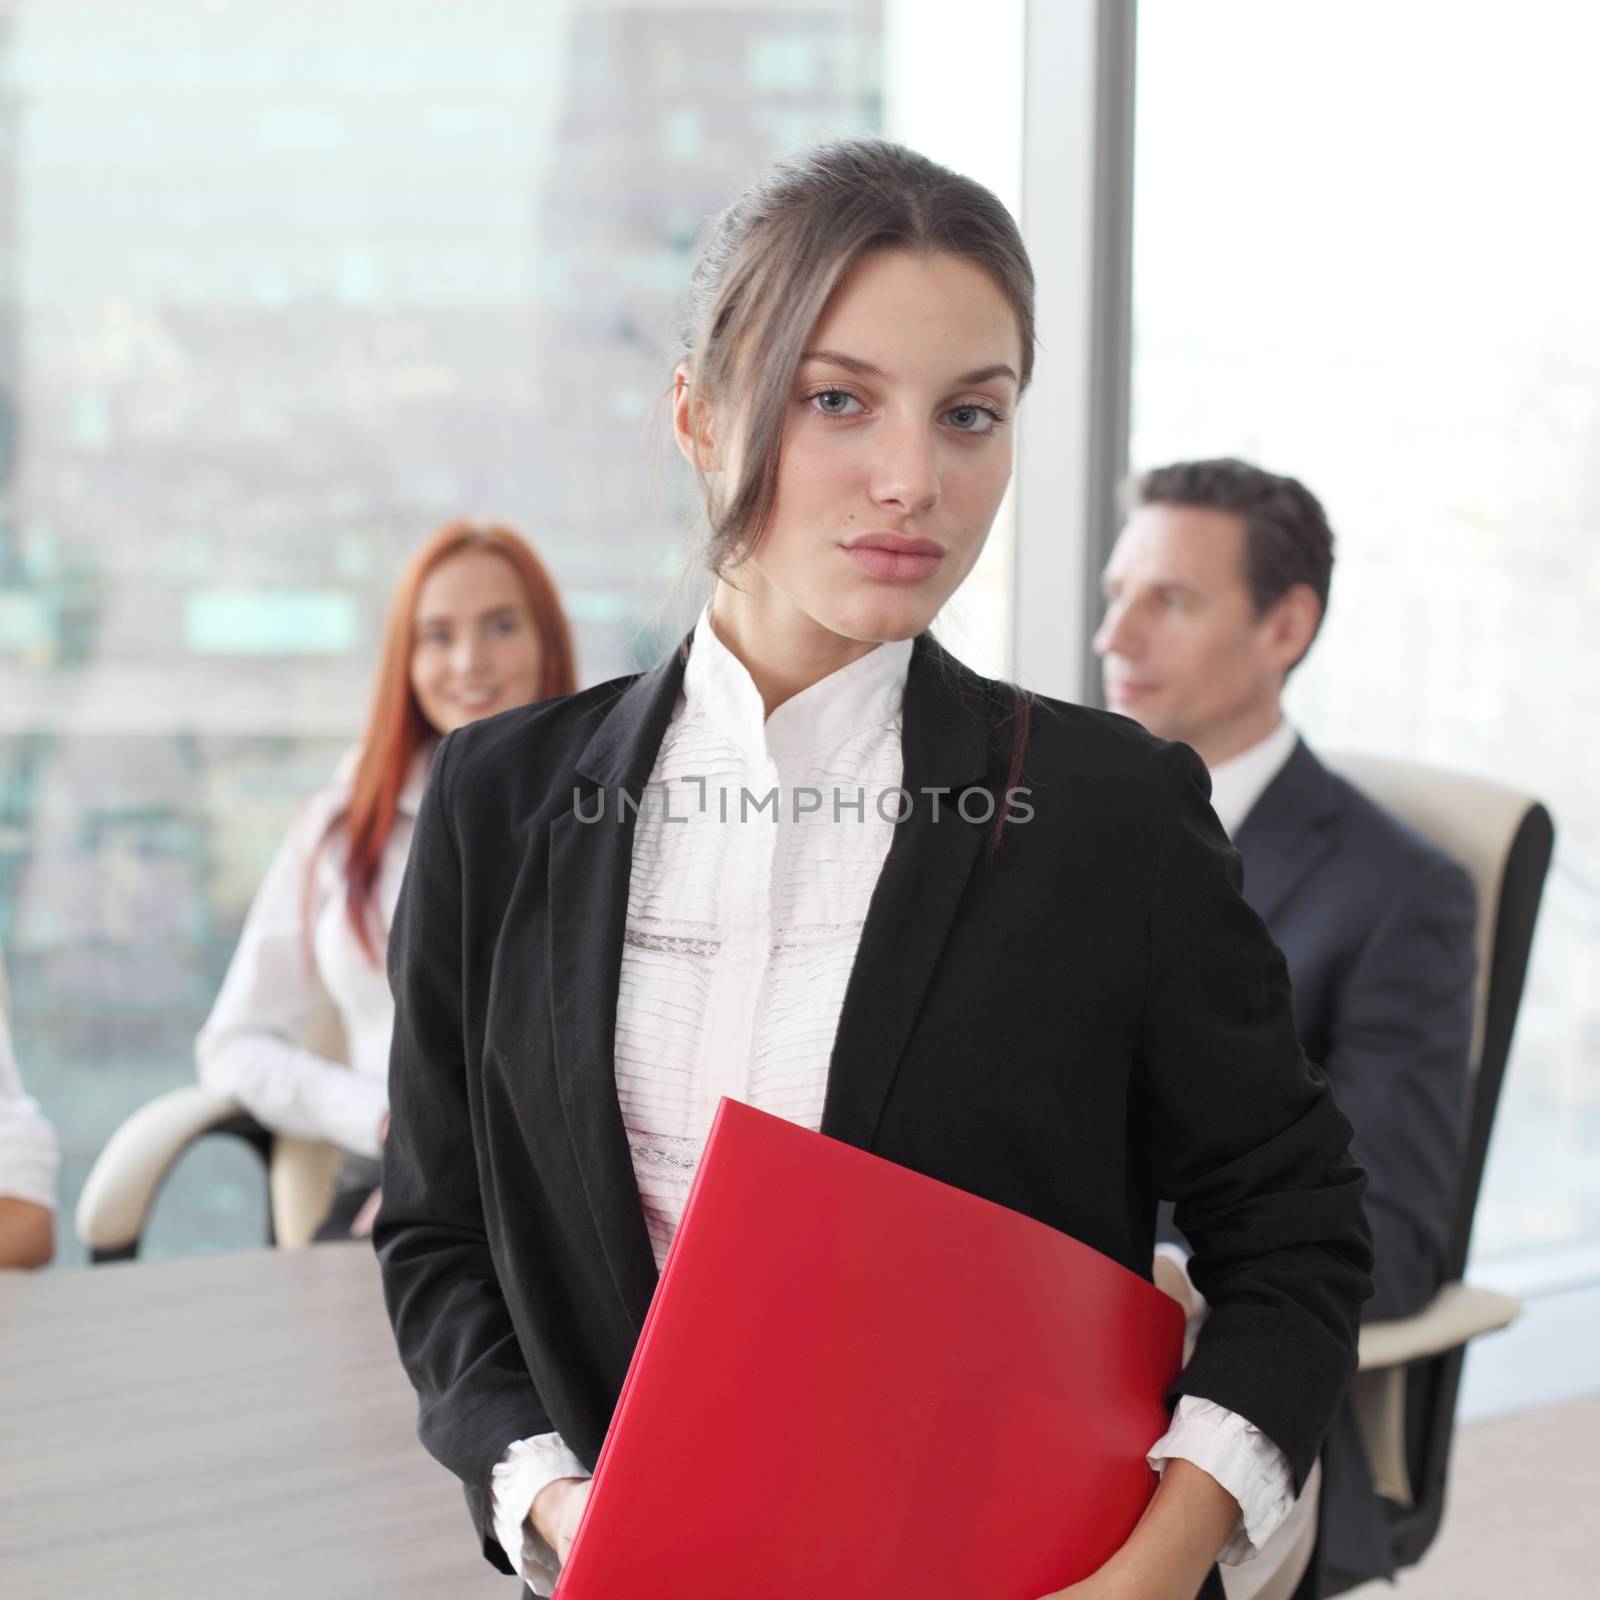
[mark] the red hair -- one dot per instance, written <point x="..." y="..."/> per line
<point x="396" y="728"/>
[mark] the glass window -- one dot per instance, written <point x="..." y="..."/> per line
<point x="1380" y="277"/>
<point x="287" y="286"/>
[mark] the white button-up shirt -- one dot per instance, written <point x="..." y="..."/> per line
<point x="755" y="855"/>
<point x="1237" y="783"/>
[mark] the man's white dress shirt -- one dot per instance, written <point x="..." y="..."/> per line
<point x="250" y="1046"/>
<point x="744" y="913"/>
<point x="1237" y="783"/>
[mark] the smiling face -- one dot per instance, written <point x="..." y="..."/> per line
<point x="896" y="454"/>
<point x="474" y="648"/>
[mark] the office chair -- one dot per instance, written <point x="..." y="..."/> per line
<point x="128" y="1173"/>
<point x="1410" y="1369"/>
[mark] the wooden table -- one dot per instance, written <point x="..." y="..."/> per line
<point x="233" y="1426"/>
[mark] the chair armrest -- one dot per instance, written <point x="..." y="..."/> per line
<point x="1458" y="1312"/>
<point x="136" y="1160"/>
<point x="303" y="1176"/>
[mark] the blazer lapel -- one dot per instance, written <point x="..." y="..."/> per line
<point x="1287" y="832"/>
<point x="590" y="866"/>
<point x="944" y="743"/>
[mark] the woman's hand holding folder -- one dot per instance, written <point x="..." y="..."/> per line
<point x="1169" y="1554"/>
<point x="557" y="1510"/>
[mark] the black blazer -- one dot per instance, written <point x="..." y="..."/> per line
<point x="1087" y="1021"/>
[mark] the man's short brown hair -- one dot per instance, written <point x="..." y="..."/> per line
<point x="1287" y="537"/>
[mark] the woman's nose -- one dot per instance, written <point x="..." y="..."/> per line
<point x="906" y="470"/>
<point x="468" y="654"/>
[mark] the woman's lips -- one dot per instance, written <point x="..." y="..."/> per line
<point x="896" y="559"/>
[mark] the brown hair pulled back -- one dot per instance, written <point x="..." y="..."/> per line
<point x="766" y="269"/>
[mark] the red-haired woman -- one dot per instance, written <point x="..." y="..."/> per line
<point x="475" y="627"/>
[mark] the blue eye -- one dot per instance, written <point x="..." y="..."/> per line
<point x="833" y="402"/>
<point x="506" y="626"/>
<point x="973" y="419"/>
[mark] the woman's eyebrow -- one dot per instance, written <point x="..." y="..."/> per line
<point x="506" y="608"/>
<point x="837" y="358"/>
<point x="984" y="374"/>
<point x="865" y="369"/>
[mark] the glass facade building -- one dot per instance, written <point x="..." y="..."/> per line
<point x="286" y="286"/>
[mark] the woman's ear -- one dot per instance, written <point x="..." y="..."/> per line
<point x="693" y="422"/>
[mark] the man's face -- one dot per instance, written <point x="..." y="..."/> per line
<point x="1183" y="648"/>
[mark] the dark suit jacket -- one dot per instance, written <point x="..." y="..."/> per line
<point x="1083" y="1023"/>
<point x="1378" y="928"/>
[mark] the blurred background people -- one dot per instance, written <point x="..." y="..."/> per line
<point x="475" y="627"/>
<point x="1214" y="592"/>
<point x="29" y="1155"/>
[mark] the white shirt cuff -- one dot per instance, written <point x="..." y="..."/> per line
<point x="518" y="1476"/>
<point x="1199" y="1306"/>
<point x="1242" y="1459"/>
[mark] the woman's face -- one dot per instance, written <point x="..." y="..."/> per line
<point x="474" y="649"/>
<point x="897" y="451"/>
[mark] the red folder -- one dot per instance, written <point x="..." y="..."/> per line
<point x="860" y="1383"/>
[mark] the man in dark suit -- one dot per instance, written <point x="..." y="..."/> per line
<point x="1214" y="593"/>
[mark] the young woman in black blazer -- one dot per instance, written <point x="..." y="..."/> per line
<point x="1054" y="996"/>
